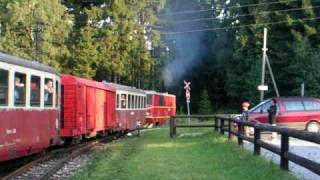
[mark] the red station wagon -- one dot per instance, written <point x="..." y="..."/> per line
<point x="298" y="113"/>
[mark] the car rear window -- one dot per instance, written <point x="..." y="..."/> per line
<point x="293" y="105"/>
<point x="312" y="105"/>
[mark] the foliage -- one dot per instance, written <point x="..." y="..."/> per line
<point x="126" y="41"/>
<point x="18" y="19"/>
<point x="104" y="40"/>
<point x="205" y="104"/>
<point x="231" y="67"/>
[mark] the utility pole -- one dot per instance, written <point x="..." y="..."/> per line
<point x="272" y="77"/>
<point x="302" y="89"/>
<point x="264" y="50"/>
<point x="38" y="38"/>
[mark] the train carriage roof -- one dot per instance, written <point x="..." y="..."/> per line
<point x="74" y="80"/>
<point x="125" y="88"/>
<point x="14" y="60"/>
<point x="158" y="93"/>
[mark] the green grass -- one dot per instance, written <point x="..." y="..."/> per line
<point x="155" y="156"/>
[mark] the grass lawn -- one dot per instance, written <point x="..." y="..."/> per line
<point x="154" y="156"/>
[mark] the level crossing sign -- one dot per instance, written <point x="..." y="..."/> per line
<point x="188" y="89"/>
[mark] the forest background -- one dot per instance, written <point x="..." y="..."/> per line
<point x="156" y="44"/>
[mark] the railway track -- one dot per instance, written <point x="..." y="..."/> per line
<point x="47" y="166"/>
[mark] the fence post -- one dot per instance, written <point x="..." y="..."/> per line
<point x="229" y="128"/>
<point x="240" y="133"/>
<point x="257" y="137"/>
<point x="222" y="126"/>
<point x="284" y="162"/>
<point x="171" y="127"/>
<point x="216" y="124"/>
<point x="174" y="127"/>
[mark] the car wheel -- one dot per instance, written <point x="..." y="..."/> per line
<point x="313" y="126"/>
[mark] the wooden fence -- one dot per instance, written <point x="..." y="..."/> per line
<point x="224" y="123"/>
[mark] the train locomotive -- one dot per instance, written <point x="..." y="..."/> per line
<point x="41" y="108"/>
<point x="160" y="106"/>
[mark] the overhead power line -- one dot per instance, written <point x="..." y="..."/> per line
<point x="240" y="26"/>
<point x="243" y="15"/>
<point x="231" y="7"/>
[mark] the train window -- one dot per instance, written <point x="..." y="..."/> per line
<point x="19" y="89"/>
<point x="144" y="102"/>
<point x="4" y="75"/>
<point x="118" y="101"/>
<point x="123" y="101"/>
<point x="149" y="99"/>
<point x="35" y="91"/>
<point x="57" y="94"/>
<point x="162" y="101"/>
<point x="132" y="102"/>
<point x="136" y="102"/>
<point x="48" y="92"/>
<point x="139" y="104"/>
<point x="129" y="101"/>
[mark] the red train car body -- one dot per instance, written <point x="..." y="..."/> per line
<point x="29" y="120"/>
<point x="88" y="107"/>
<point x="130" y="107"/>
<point x="160" y="106"/>
<point x="39" y="108"/>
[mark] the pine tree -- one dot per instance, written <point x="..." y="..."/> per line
<point x="84" y="55"/>
<point x="205" y="106"/>
<point x="17" y="29"/>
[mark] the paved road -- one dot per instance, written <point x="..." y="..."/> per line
<point x="299" y="147"/>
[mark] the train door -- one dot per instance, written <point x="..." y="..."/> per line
<point x="110" y="110"/>
<point x="81" y="109"/>
<point x="91" y="108"/>
<point x="100" y="109"/>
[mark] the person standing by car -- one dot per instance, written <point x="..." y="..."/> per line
<point x="272" y="111"/>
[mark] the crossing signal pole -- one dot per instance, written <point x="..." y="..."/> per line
<point x="188" y="96"/>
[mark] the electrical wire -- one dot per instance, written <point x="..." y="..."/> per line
<point x="240" y="26"/>
<point x="243" y="15"/>
<point x="231" y="7"/>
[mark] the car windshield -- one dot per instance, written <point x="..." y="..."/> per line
<point x="257" y="106"/>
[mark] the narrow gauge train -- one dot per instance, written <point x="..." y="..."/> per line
<point x="40" y="108"/>
<point x="160" y="106"/>
<point x="130" y="106"/>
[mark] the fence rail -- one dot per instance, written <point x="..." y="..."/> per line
<point x="224" y="123"/>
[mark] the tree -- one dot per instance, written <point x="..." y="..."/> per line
<point x="18" y="30"/>
<point x="205" y="106"/>
<point x="121" y="36"/>
<point x="84" y="55"/>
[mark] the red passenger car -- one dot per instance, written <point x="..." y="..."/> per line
<point x="131" y="107"/>
<point x="160" y="106"/>
<point x="88" y="108"/>
<point x="29" y="107"/>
